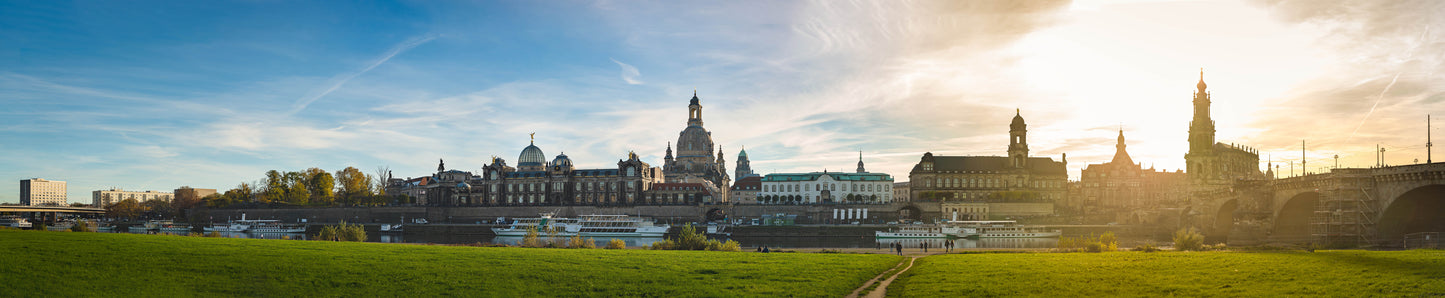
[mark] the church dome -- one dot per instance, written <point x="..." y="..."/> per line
<point x="1201" y="84"/>
<point x="531" y="156"/>
<point x="562" y="161"/>
<point x="694" y="141"/>
<point x="1018" y="122"/>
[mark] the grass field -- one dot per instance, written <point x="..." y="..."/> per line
<point x="1230" y="274"/>
<point x="58" y="264"/>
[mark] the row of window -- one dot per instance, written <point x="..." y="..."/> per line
<point x="829" y="186"/>
<point x="953" y="182"/>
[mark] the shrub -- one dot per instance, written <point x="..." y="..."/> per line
<point x="38" y="227"/>
<point x="530" y="239"/>
<point x="731" y="245"/>
<point x="1094" y="247"/>
<point x="342" y="232"/>
<point x="1147" y="247"/>
<point x="1109" y="242"/>
<point x="665" y="244"/>
<point x="80" y="226"/>
<point x="214" y="234"/>
<point x="1188" y="239"/>
<point x="616" y="244"/>
<point x="690" y="239"/>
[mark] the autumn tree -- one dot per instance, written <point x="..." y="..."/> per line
<point x="158" y="209"/>
<point x="127" y="208"/>
<point x="353" y="185"/>
<point x="322" y="186"/>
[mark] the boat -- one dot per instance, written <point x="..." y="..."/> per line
<point x="240" y="225"/>
<point x="61" y="226"/>
<point x="15" y="222"/>
<point x="544" y="225"/>
<point x="718" y="230"/>
<point x="389" y="228"/>
<point x="1004" y="229"/>
<point x="585" y="226"/>
<point x="617" y="226"/>
<point x="920" y="231"/>
<point x="174" y="227"/>
<point x="273" y="226"/>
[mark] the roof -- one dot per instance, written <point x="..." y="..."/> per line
<point x="834" y="175"/>
<point x="750" y="182"/>
<point x="1035" y="165"/>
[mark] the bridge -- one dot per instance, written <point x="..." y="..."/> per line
<point x="48" y="209"/>
<point x="1366" y="206"/>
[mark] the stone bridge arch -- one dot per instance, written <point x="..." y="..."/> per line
<point x="1420" y="209"/>
<point x="1292" y="217"/>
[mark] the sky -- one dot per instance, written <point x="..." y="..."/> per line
<point x="154" y="95"/>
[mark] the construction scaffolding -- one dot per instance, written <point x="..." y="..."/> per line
<point x="1344" y="218"/>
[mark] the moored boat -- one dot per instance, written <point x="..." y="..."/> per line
<point x="920" y="231"/>
<point x="1005" y="229"/>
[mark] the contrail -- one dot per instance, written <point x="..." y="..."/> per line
<point x="1372" y="108"/>
<point x="342" y="79"/>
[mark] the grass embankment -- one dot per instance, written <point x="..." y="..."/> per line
<point x="1254" y="274"/>
<point x="59" y="264"/>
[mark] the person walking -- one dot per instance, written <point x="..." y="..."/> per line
<point x="900" y="248"/>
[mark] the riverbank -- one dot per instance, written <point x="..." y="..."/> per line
<point x="87" y="264"/>
<point x="1230" y="274"/>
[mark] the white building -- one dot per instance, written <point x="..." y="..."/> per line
<point x="101" y="198"/>
<point x="41" y="192"/>
<point x="826" y="187"/>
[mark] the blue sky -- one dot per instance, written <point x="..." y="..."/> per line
<point x="155" y="95"/>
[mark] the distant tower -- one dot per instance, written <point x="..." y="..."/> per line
<point x="1201" y="134"/>
<point x="1018" y="147"/>
<point x="1121" y="157"/>
<point x="744" y="168"/>
<point x="860" y="162"/>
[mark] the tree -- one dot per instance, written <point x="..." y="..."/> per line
<point x="158" y="209"/>
<point x="352" y="185"/>
<point x="297" y="194"/>
<point x="127" y="208"/>
<point x="382" y="178"/>
<point x="275" y="187"/>
<point x="323" y="186"/>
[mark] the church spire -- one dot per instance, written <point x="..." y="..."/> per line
<point x="860" y="162"/>
<point x="1201" y="84"/>
<point x="1121" y="157"/>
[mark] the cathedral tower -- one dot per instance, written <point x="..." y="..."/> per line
<point x="1018" y="147"/>
<point x="1201" y="134"/>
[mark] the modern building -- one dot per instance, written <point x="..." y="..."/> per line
<point x="186" y="193"/>
<point x="1012" y="178"/>
<point x="900" y="192"/>
<point x="41" y="192"/>
<point x="1211" y="164"/>
<point x="695" y="150"/>
<point x="102" y="198"/>
<point x="1123" y="185"/>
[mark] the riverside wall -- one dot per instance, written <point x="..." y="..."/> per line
<point x="806" y="214"/>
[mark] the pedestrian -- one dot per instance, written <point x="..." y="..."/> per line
<point x="899" y="246"/>
<point x="925" y="247"/>
<point x="765" y="249"/>
<point x="760" y="248"/>
<point x="880" y="245"/>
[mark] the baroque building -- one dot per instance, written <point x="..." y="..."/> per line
<point x="1016" y="177"/>
<point x="744" y="168"/>
<point x="1212" y="164"/>
<point x="1123" y="185"/>
<point x="695" y="150"/>
<point x="826" y="187"/>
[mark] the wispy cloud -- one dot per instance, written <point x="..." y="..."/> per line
<point x="629" y="73"/>
<point x="339" y="80"/>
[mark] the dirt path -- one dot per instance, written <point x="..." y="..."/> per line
<point x="882" y="286"/>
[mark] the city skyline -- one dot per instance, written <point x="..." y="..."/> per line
<point x="216" y="95"/>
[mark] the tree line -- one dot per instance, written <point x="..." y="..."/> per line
<point x="310" y="187"/>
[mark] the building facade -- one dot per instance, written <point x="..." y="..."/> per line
<point x="900" y="191"/>
<point x="826" y="187"/>
<point x="694" y="162"/>
<point x="102" y="198"/>
<point x="745" y="190"/>
<point x="41" y="192"/>
<point x="1212" y="164"/>
<point x="1123" y="185"/>
<point x="1012" y="178"/>
<point x="186" y="193"/>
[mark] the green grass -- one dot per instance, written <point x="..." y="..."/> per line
<point x="58" y="264"/>
<point x="1229" y="274"/>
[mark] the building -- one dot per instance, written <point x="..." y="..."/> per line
<point x="682" y="193"/>
<point x="102" y="198"/>
<point x="1212" y="164"/>
<point x="1012" y="178"/>
<point x="900" y="191"/>
<point x="537" y="182"/>
<point x="188" y="194"/>
<point x="744" y="167"/>
<point x="695" y="150"/>
<point x="41" y="192"/>
<point x="1123" y="185"/>
<point x="745" y="190"/>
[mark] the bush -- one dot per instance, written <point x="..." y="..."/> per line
<point x="38" y="227"/>
<point x="342" y="232"/>
<point x="690" y="239"/>
<point x="531" y="239"/>
<point x="1094" y="247"/>
<point x="577" y="242"/>
<point x="80" y="226"/>
<point x="616" y="244"/>
<point x="1109" y="242"/>
<point x="1188" y="239"/>
<point x="731" y="245"/>
<point x="214" y="234"/>
<point x="665" y="244"/>
<point x="1147" y="247"/>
